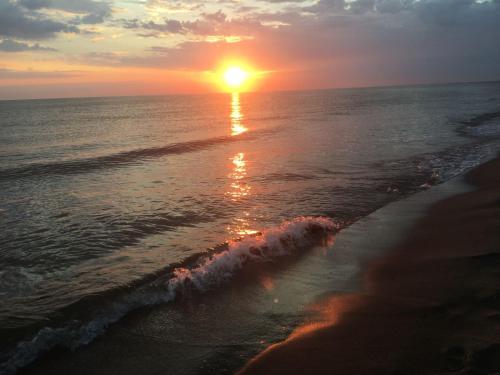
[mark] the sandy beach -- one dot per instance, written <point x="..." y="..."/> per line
<point x="431" y="305"/>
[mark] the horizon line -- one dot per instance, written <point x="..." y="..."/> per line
<point x="262" y="91"/>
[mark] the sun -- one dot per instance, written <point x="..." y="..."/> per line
<point x="235" y="77"/>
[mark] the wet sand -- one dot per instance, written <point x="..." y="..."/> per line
<point x="431" y="305"/>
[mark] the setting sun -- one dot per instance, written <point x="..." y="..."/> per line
<point x="235" y="77"/>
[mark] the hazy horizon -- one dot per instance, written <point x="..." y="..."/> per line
<point x="381" y="86"/>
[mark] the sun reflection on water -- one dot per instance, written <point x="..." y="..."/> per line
<point x="237" y="126"/>
<point x="239" y="189"/>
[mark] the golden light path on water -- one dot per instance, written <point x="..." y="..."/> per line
<point x="237" y="126"/>
<point x="239" y="189"/>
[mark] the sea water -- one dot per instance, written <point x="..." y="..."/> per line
<point x="110" y="205"/>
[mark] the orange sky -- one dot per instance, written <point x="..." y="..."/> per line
<point x="60" y="48"/>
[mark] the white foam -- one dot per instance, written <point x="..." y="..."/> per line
<point x="273" y="242"/>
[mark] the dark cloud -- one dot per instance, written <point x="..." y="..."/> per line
<point x="392" y="6"/>
<point x="458" y="13"/>
<point x="17" y="22"/>
<point x="34" y="4"/>
<point x="438" y="12"/>
<point x="168" y="26"/>
<point x="87" y="11"/>
<point x="91" y="18"/>
<point x="9" y="45"/>
<point x="24" y="19"/>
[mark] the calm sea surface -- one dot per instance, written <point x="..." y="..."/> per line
<point x="108" y="204"/>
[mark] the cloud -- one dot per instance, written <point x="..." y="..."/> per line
<point x="216" y="23"/>
<point x="9" y="45"/>
<point x="87" y="11"/>
<point x="324" y="43"/>
<point x="458" y="13"/>
<point x="34" y="4"/>
<point x="169" y="26"/>
<point x="437" y="12"/>
<point x="29" y="19"/>
<point x="374" y="41"/>
<point x="174" y="7"/>
<point x="17" y="22"/>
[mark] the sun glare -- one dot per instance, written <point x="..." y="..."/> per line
<point x="235" y="77"/>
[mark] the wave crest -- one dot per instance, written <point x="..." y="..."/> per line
<point x="273" y="242"/>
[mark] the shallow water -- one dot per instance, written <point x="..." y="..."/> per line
<point x="103" y="198"/>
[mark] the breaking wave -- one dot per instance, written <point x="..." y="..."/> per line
<point x="209" y="271"/>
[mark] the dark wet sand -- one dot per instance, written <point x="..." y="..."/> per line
<point x="430" y="306"/>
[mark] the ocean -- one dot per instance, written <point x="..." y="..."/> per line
<point x="117" y="208"/>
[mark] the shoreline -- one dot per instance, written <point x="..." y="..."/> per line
<point x="430" y="305"/>
<point x="144" y="340"/>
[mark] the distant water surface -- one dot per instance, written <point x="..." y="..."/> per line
<point x="102" y="197"/>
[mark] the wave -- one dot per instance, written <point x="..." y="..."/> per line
<point x="125" y="158"/>
<point x="108" y="233"/>
<point x="482" y="118"/>
<point x="432" y="168"/>
<point x="273" y="242"/>
<point x="273" y="177"/>
<point x="482" y="125"/>
<point x="205" y="273"/>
